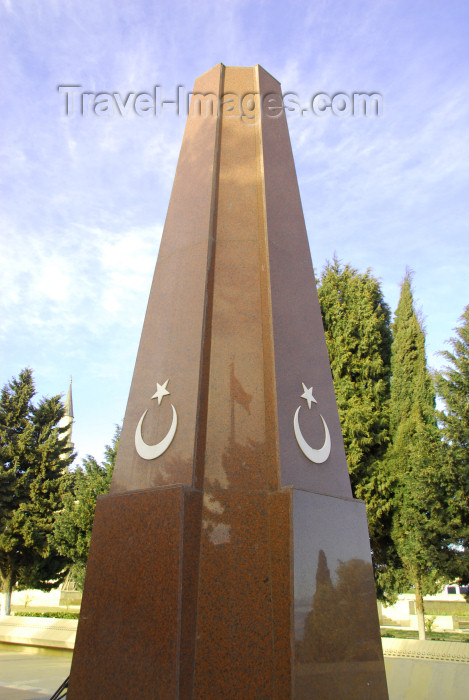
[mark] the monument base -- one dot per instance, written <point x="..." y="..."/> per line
<point x="136" y="633"/>
<point x="240" y="594"/>
<point x="338" y="652"/>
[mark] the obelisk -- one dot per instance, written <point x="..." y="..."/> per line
<point x="229" y="559"/>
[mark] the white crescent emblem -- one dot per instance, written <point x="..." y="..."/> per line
<point x="317" y="456"/>
<point x="153" y="451"/>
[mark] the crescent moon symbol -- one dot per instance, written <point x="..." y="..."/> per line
<point x="153" y="451"/>
<point x="317" y="456"/>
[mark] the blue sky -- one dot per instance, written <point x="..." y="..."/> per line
<point x="83" y="200"/>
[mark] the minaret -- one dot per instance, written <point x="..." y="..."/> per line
<point x="67" y="420"/>
<point x="230" y="520"/>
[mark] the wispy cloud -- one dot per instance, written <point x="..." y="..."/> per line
<point x="84" y="199"/>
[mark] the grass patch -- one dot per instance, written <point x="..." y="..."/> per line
<point x="59" y="614"/>
<point x="432" y="636"/>
<point x="437" y="608"/>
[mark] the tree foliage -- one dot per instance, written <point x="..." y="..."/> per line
<point x="423" y="555"/>
<point x="358" y="335"/>
<point x="357" y="327"/>
<point x="33" y="457"/>
<point x="452" y="385"/>
<point x="74" y="524"/>
<point x="416" y="498"/>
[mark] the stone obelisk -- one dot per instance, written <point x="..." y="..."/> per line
<point x="229" y="559"/>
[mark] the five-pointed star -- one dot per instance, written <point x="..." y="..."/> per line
<point x="161" y="391"/>
<point x="308" y="395"/>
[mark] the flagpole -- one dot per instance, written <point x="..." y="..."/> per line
<point x="232" y="401"/>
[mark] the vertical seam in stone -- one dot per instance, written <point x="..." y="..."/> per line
<point x="270" y="392"/>
<point x="202" y="409"/>
<point x="268" y="352"/>
<point x="202" y="400"/>
<point x="180" y="590"/>
<point x="272" y="621"/>
<point x="292" y="589"/>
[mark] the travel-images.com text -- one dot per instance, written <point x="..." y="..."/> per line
<point x="248" y="107"/>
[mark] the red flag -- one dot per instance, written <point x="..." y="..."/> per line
<point x="237" y="392"/>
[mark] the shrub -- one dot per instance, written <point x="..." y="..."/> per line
<point x="59" y="615"/>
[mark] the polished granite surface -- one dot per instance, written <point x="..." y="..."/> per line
<point x="226" y="538"/>
<point x="337" y="637"/>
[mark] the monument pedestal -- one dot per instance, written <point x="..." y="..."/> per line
<point x="337" y="636"/>
<point x="197" y="600"/>
<point x="135" y="638"/>
<point x="230" y="560"/>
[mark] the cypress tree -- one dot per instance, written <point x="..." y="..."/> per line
<point x="33" y="457"/>
<point x="419" y="527"/>
<point x="452" y="385"/>
<point x="357" y="328"/>
<point x="74" y="523"/>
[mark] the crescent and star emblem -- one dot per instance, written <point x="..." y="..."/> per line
<point x="153" y="451"/>
<point x="317" y="456"/>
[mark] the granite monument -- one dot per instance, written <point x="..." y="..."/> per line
<point x="230" y="559"/>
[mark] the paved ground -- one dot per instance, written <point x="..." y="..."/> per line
<point x="419" y="679"/>
<point x="31" y="673"/>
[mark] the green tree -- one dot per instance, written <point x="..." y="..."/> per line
<point x="358" y="335"/>
<point x="416" y="467"/>
<point x="33" y="457"/>
<point x="452" y="385"/>
<point x="72" y="534"/>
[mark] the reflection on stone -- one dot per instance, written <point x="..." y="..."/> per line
<point x="337" y="639"/>
<point x="218" y="521"/>
<point x="356" y="592"/>
<point x="319" y="641"/>
<point x="172" y="471"/>
<point x="338" y="626"/>
<point x="236" y="605"/>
